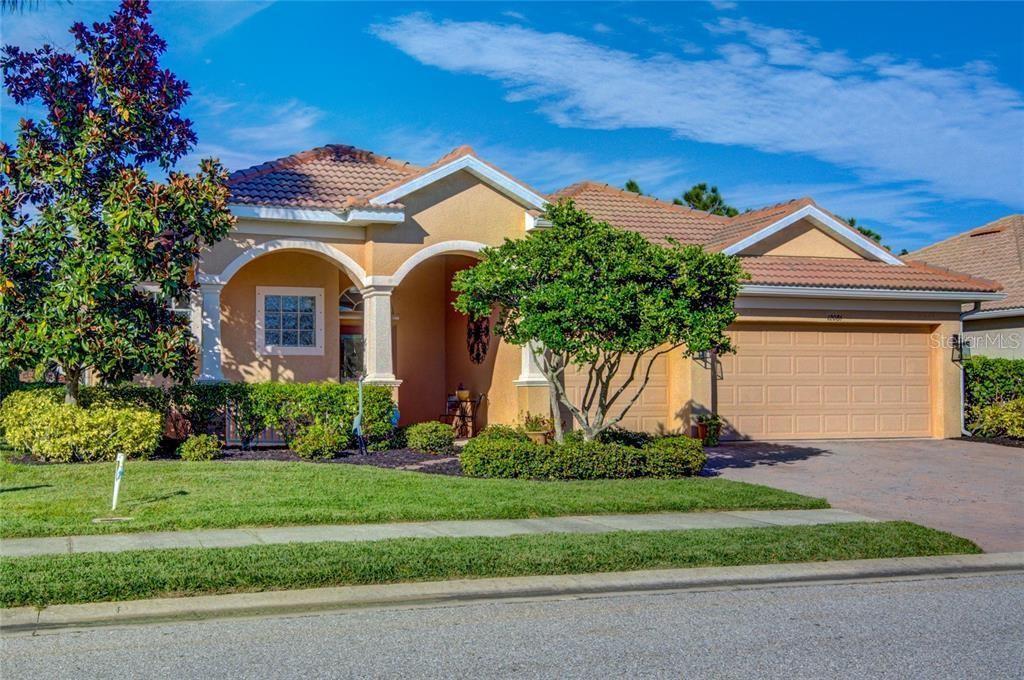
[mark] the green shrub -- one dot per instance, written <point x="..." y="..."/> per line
<point x="515" y="456"/>
<point x="620" y="435"/>
<point x="491" y="456"/>
<point x="988" y="381"/>
<point x="431" y="437"/>
<point x="1002" y="419"/>
<point x="592" y="460"/>
<point x="503" y="432"/>
<point x="39" y="422"/>
<point x="396" y="440"/>
<point x="319" y="441"/>
<point x="125" y="395"/>
<point x="8" y="382"/>
<point x="674" y="457"/>
<point x="199" y="447"/>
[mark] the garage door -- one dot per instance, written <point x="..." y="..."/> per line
<point x="806" y="382"/>
<point x="650" y="412"/>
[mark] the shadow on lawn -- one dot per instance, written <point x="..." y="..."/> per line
<point x="24" y="488"/>
<point x="756" y="455"/>
<point x="146" y="500"/>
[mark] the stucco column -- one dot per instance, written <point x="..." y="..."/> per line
<point x="533" y="393"/>
<point x="377" y="359"/>
<point x="210" y="367"/>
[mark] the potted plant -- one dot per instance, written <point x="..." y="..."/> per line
<point x="709" y="428"/>
<point x="538" y="427"/>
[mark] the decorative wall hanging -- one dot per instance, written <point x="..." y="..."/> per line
<point x="478" y="338"/>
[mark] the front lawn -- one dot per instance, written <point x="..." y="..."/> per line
<point x="92" y="577"/>
<point x="62" y="500"/>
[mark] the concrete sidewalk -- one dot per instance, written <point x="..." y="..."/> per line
<point x="583" y="524"/>
<point x="32" y="621"/>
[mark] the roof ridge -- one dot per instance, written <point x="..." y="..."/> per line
<point x="301" y="157"/>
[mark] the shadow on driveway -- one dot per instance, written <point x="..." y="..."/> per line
<point x="749" y="455"/>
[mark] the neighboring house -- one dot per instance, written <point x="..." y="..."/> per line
<point x="342" y="260"/>
<point x="995" y="328"/>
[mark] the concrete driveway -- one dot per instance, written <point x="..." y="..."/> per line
<point x="971" y="489"/>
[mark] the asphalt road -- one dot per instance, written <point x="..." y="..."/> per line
<point x="945" y="628"/>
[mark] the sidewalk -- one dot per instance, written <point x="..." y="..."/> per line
<point x="32" y="621"/>
<point x="584" y="524"/>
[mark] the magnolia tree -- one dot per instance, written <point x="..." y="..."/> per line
<point x="92" y="251"/>
<point x="605" y="300"/>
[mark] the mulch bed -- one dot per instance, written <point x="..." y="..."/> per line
<point x="394" y="459"/>
<point x="1001" y="441"/>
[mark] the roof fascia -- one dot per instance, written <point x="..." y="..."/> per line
<point x="475" y="167"/>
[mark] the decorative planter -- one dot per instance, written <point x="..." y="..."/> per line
<point x="539" y="437"/>
<point x="700" y="431"/>
<point x="462" y="395"/>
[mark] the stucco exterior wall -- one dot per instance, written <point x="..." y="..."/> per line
<point x="802" y="239"/>
<point x="242" y="361"/>
<point x="998" y="338"/>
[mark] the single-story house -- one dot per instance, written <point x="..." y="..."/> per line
<point x="341" y="262"/>
<point x="994" y="328"/>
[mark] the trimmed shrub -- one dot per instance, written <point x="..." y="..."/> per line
<point x="674" y="457"/>
<point x="620" y="435"/>
<point x="39" y="422"/>
<point x="125" y="395"/>
<point x="8" y="381"/>
<point x="319" y="441"/>
<point x="591" y="460"/>
<point x="503" y="432"/>
<point x="431" y="437"/>
<point x="493" y="456"/>
<point x="515" y="456"/>
<point x="1005" y="419"/>
<point x="199" y="447"/>
<point x="988" y="381"/>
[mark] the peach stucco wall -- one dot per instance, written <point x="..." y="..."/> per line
<point x="242" y="362"/>
<point x="802" y="239"/>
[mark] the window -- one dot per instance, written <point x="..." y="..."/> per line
<point x="350" y="300"/>
<point x="290" y="320"/>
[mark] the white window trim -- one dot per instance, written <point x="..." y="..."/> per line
<point x="277" y="350"/>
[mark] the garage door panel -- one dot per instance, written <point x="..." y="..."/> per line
<point x="806" y="381"/>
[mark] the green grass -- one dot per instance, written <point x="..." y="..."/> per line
<point x="61" y="500"/>
<point x="93" y="577"/>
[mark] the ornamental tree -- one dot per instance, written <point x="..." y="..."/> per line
<point x="602" y="299"/>
<point x="92" y="251"/>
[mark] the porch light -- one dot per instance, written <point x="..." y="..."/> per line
<point x="958" y="348"/>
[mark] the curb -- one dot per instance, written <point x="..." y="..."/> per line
<point x="29" y="620"/>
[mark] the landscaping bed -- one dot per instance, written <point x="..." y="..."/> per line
<point x="95" y="577"/>
<point x="62" y="500"/>
<point x="1001" y="441"/>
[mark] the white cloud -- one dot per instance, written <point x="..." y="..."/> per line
<point x="601" y="28"/>
<point x="292" y="123"/>
<point x="545" y="169"/>
<point x="956" y="130"/>
<point x="721" y="5"/>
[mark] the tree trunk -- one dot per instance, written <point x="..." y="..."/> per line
<point x="73" y="377"/>
<point x="556" y="414"/>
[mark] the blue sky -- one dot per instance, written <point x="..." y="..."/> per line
<point x="909" y="116"/>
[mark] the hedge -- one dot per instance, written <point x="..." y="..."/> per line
<point x="494" y="455"/>
<point x="289" y="408"/>
<point x="988" y="381"/>
<point x="1001" y="419"/>
<point x="37" y="421"/>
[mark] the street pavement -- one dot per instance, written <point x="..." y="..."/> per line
<point x="971" y="626"/>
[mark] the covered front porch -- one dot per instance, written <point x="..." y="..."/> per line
<point x="296" y="312"/>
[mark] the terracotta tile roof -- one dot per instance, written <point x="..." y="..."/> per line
<point x="657" y="220"/>
<point x="332" y="177"/>
<point x="829" y="272"/>
<point x="995" y="251"/>
<point x="747" y="223"/>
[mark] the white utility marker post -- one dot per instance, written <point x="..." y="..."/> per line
<point x="117" y="479"/>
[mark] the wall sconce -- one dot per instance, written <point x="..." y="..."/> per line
<point x="958" y="348"/>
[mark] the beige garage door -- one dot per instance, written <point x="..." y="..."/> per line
<point x="805" y="382"/>
<point x="650" y="412"/>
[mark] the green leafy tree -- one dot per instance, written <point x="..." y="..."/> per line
<point x="633" y="186"/>
<point x="870" y="233"/>
<point x="92" y="251"/>
<point x="700" y="197"/>
<point x="605" y="300"/>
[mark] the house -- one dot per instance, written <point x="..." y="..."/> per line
<point x="342" y="260"/>
<point x="994" y="328"/>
